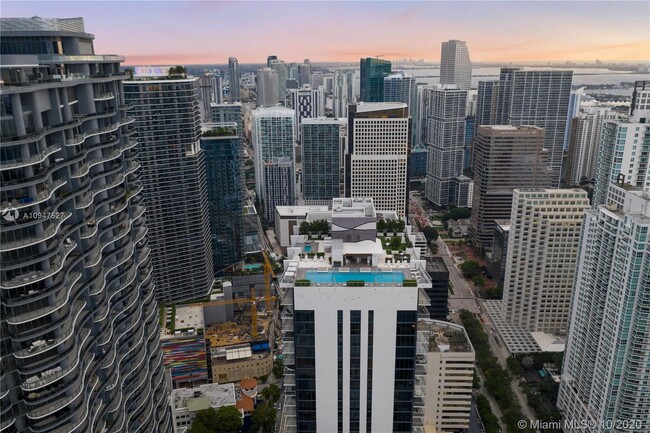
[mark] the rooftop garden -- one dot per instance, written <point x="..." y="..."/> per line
<point x="318" y="227"/>
<point x="390" y="226"/>
<point x="220" y="132"/>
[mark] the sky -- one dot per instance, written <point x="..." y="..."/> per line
<point x="208" y="32"/>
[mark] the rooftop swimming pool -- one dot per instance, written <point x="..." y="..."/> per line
<point x="307" y="248"/>
<point x="343" y="277"/>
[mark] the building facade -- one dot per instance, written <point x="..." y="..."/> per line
<point x="625" y="144"/>
<point x="446" y="143"/>
<point x="450" y="374"/>
<point x="541" y="257"/>
<point x="604" y="374"/>
<point x="279" y="185"/>
<point x="266" y="85"/>
<point x="307" y="103"/>
<point x="505" y="158"/>
<point x="280" y="69"/>
<point x="537" y="98"/>
<point x="338" y="375"/>
<point x="225" y="179"/>
<point x="377" y="154"/>
<point x="373" y="72"/>
<point x="274" y="135"/>
<point x="399" y="87"/>
<point x="80" y="336"/>
<point x="455" y="64"/>
<point x="323" y="143"/>
<point x="584" y="139"/>
<point x="168" y="123"/>
<point x="233" y="79"/>
<point x="229" y="113"/>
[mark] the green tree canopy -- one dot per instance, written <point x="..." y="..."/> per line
<point x="430" y="233"/>
<point x="470" y="268"/>
<point x="226" y="419"/>
<point x="263" y="417"/>
<point x="271" y="393"/>
<point x="316" y="226"/>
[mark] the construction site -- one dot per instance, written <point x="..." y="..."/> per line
<point x="225" y="338"/>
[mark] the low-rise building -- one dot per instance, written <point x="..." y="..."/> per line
<point x="449" y="378"/>
<point x="237" y="362"/>
<point x="186" y="402"/>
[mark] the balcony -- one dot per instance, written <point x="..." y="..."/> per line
<point x="34" y="159"/>
<point x="89" y="195"/>
<point x="104" y="97"/>
<point x="48" y="233"/>
<point x="80" y="138"/>
<point x="85" y="168"/>
<point x="44" y="195"/>
<point x="41" y="312"/>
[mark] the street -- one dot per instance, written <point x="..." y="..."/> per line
<point x="464" y="297"/>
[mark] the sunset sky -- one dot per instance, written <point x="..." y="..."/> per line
<point x="195" y="32"/>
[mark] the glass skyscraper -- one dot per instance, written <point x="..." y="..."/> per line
<point x="223" y="164"/>
<point x="323" y="142"/>
<point x="373" y="72"/>
<point x="168" y="125"/>
<point x="79" y="335"/>
<point x="605" y="372"/>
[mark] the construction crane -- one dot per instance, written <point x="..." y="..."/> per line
<point x="268" y="276"/>
<point x="253" y="301"/>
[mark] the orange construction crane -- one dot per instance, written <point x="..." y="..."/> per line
<point x="268" y="276"/>
<point x="253" y="301"/>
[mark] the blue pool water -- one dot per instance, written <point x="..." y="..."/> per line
<point x="308" y="248"/>
<point x="253" y="266"/>
<point x="342" y="277"/>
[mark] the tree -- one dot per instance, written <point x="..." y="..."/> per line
<point x="271" y="393"/>
<point x="395" y="242"/>
<point x="434" y="248"/>
<point x="278" y="368"/>
<point x="227" y="419"/>
<point x="430" y="233"/>
<point x="176" y="71"/>
<point x="470" y="269"/>
<point x="478" y="281"/>
<point x="457" y="213"/>
<point x="263" y="417"/>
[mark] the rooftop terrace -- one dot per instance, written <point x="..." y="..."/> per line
<point x="210" y="395"/>
<point x="445" y="337"/>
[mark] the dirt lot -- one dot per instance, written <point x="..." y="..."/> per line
<point x="468" y="253"/>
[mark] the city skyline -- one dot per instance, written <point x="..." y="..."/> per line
<point x="496" y="31"/>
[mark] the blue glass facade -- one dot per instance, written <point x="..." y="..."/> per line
<point x="406" y="336"/>
<point x="305" y="371"/>
<point x="223" y="164"/>
<point x="470" y="121"/>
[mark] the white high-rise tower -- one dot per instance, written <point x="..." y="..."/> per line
<point x="455" y="64"/>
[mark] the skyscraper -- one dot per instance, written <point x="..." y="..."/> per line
<point x="342" y="92"/>
<point x="399" y="87"/>
<point x="446" y="143"/>
<point x="80" y="346"/>
<point x="225" y="179"/>
<point x="233" y="79"/>
<point x="373" y="72"/>
<point x="229" y="113"/>
<point x="575" y="99"/>
<point x="323" y="143"/>
<point x="455" y="64"/>
<point x="376" y="157"/>
<point x="541" y="258"/>
<point x="505" y="157"/>
<point x="605" y="372"/>
<point x="307" y="103"/>
<point x="486" y="103"/>
<point x="304" y="73"/>
<point x="280" y="69"/>
<point x="538" y="98"/>
<point x="274" y="136"/>
<point x="210" y="91"/>
<point x="266" y="85"/>
<point x="270" y="59"/>
<point x="624" y="149"/>
<point x="584" y="143"/>
<point x="279" y="185"/>
<point x="354" y="357"/>
<point x="173" y="176"/>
